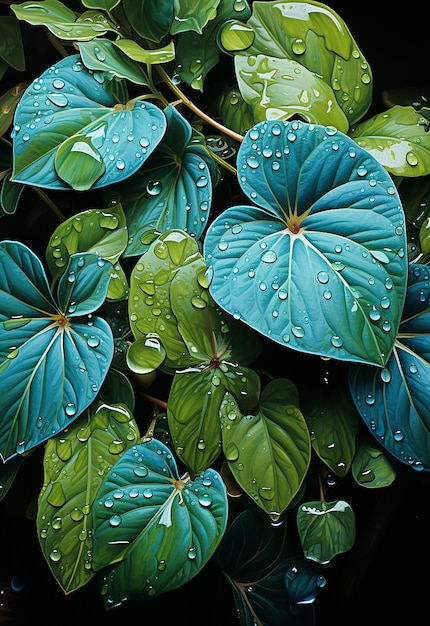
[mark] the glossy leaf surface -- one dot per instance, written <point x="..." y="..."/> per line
<point x="81" y="123"/>
<point x="267" y="452"/>
<point x="326" y="529"/>
<point x="174" y="190"/>
<point x="320" y="264"/>
<point x="393" y="402"/>
<point x="161" y="530"/>
<point x="371" y="468"/>
<point x="53" y="364"/>
<point x="398" y="139"/>
<point x="75" y="463"/>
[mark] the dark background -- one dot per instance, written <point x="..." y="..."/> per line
<point x="385" y="578"/>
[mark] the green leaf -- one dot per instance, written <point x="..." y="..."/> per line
<point x="10" y="194"/>
<point x="53" y="364"/>
<point x="145" y="355"/>
<point x="325" y="244"/>
<point x="173" y="191"/>
<point x="148" y="56"/>
<point x="197" y="53"/>
<point x="8" y="103"/>
<point x="282" y="88"/>
<point x="11" y="46"/>
<point x="102" y="55"/>
<point x="75" y="463"/>
<point x="188" y="17"/>
<point x="393" y="402"/>
<point x="371" y="468"/>
<point x="161" y="531"/>
<point x="268" y="452"/>
<point x="314" y="36"/>
<point x="235" y="112"/>
<point x="151" y="19"/>
<point x="398" y="139"/>
<point x="334" y="422"/>
<point x="100" y="231"/>
<point x="62" y="21"/>
<point x="106" y="5"/>
<point x="326" y="529"/>
<point x="79" y="120"/>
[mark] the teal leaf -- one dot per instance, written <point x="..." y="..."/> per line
<point x="393" y="402"/>
<point x="53" y="364"/>
<point x="162" y="529"/>
<point x="80" y="122"/>
<point x="73" y="472"/>
<point x="326" y="529"/>
<point x="326" y="244"/>
<point x="173" y="190"/>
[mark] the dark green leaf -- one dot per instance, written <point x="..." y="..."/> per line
<point x="155" y="530"/>
<point x="151" y="19"/>
<point x="11" y="46"/>
<point x="371" y="468"/>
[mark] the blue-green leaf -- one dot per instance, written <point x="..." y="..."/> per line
<point x="155" y="530"/>
<point x="80" y="124"/>
<point x="393" y="402"/>
<point x="320" y="265"/>
<point x="51" y="366"/>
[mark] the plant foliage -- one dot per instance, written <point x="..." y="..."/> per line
<point x="201" y="210"/>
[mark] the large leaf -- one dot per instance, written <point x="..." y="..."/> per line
<point x="320" y="265"/>
<point x="314" y="36"/>
<point x="268" y="452"/>
<point x="393" y="402"/>
<point x="398" y="139"/>
<point x="53" y="357"/>
<point x="151" y="19"/>
<point x="72" y="130"/>
<point x="155" y="530"/>
<point x="75" y="463"/>
<point x="174" y="190"/>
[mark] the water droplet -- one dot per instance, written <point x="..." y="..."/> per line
<point x="232" y="452"/>
<point x="336" y="341"/>
<point x="269" y="256"/>
<point x="55" y="555"/>
<point x="192" y="553"/>
<point x="70" y="409"/>
<point x="298" y="331"/>
<point x="154" y="187"/>
<point x="205" y="500"/>
<point x="369" y="399"/>
<point x="398" y="435"/>
<point x="59" y="99"/>
<point x="147" y="493"/>
<point x="115" y="520"/>
<point x="93" y="341"/>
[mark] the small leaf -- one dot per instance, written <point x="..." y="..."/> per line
<point x="371" y="468"/>
<point x="77" y="155"/>
<point x="148" y="56"/>
<point x="11" y="46"/>
<point x="187" y="18"/>
<point x="326" y="529"/>
<point x="102" y="55"/>
<point x="8" y="103"/>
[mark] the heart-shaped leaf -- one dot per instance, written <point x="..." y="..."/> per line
<point x="75" y="463"/>
<point x="154" y="530"/>
<point x="174" y="190"/>
<point x="371" y="468"/>
<point x="269" y="452"/>
<point x="53" y="359"/>
<point x="326" y="529"/>
<point x="326" y="244"/>
<point x="393" y="402"/>
<point x="80" y="124"/>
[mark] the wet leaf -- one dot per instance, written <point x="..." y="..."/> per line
<point x="187" y="18"/>
<point x="53" y="364"/>
<point x="102" y="55"/>
<point x="81" y="122"/>
<point x="325" y="244"/>
<point x="75" y="463"/>
<point x="268" y="452"/>
<point x="161" y="530"/>
<point x="371" y="468"/>
<point x="398" y="139"/>
<point x="393" y="402"/>
<point x="151" y="19"/>
<point x="326" y="529"/>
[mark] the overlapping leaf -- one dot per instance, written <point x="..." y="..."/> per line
<point x="393" y="402"/>
<point x="75" y="464"/>
<point x="152" y="529"/>
<point x="54" y="357"/>
<point x="267" y="452"/>
<point x="71" y="121"/>
<point x="320" y="265"/>
<point x="174" y="190"/>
